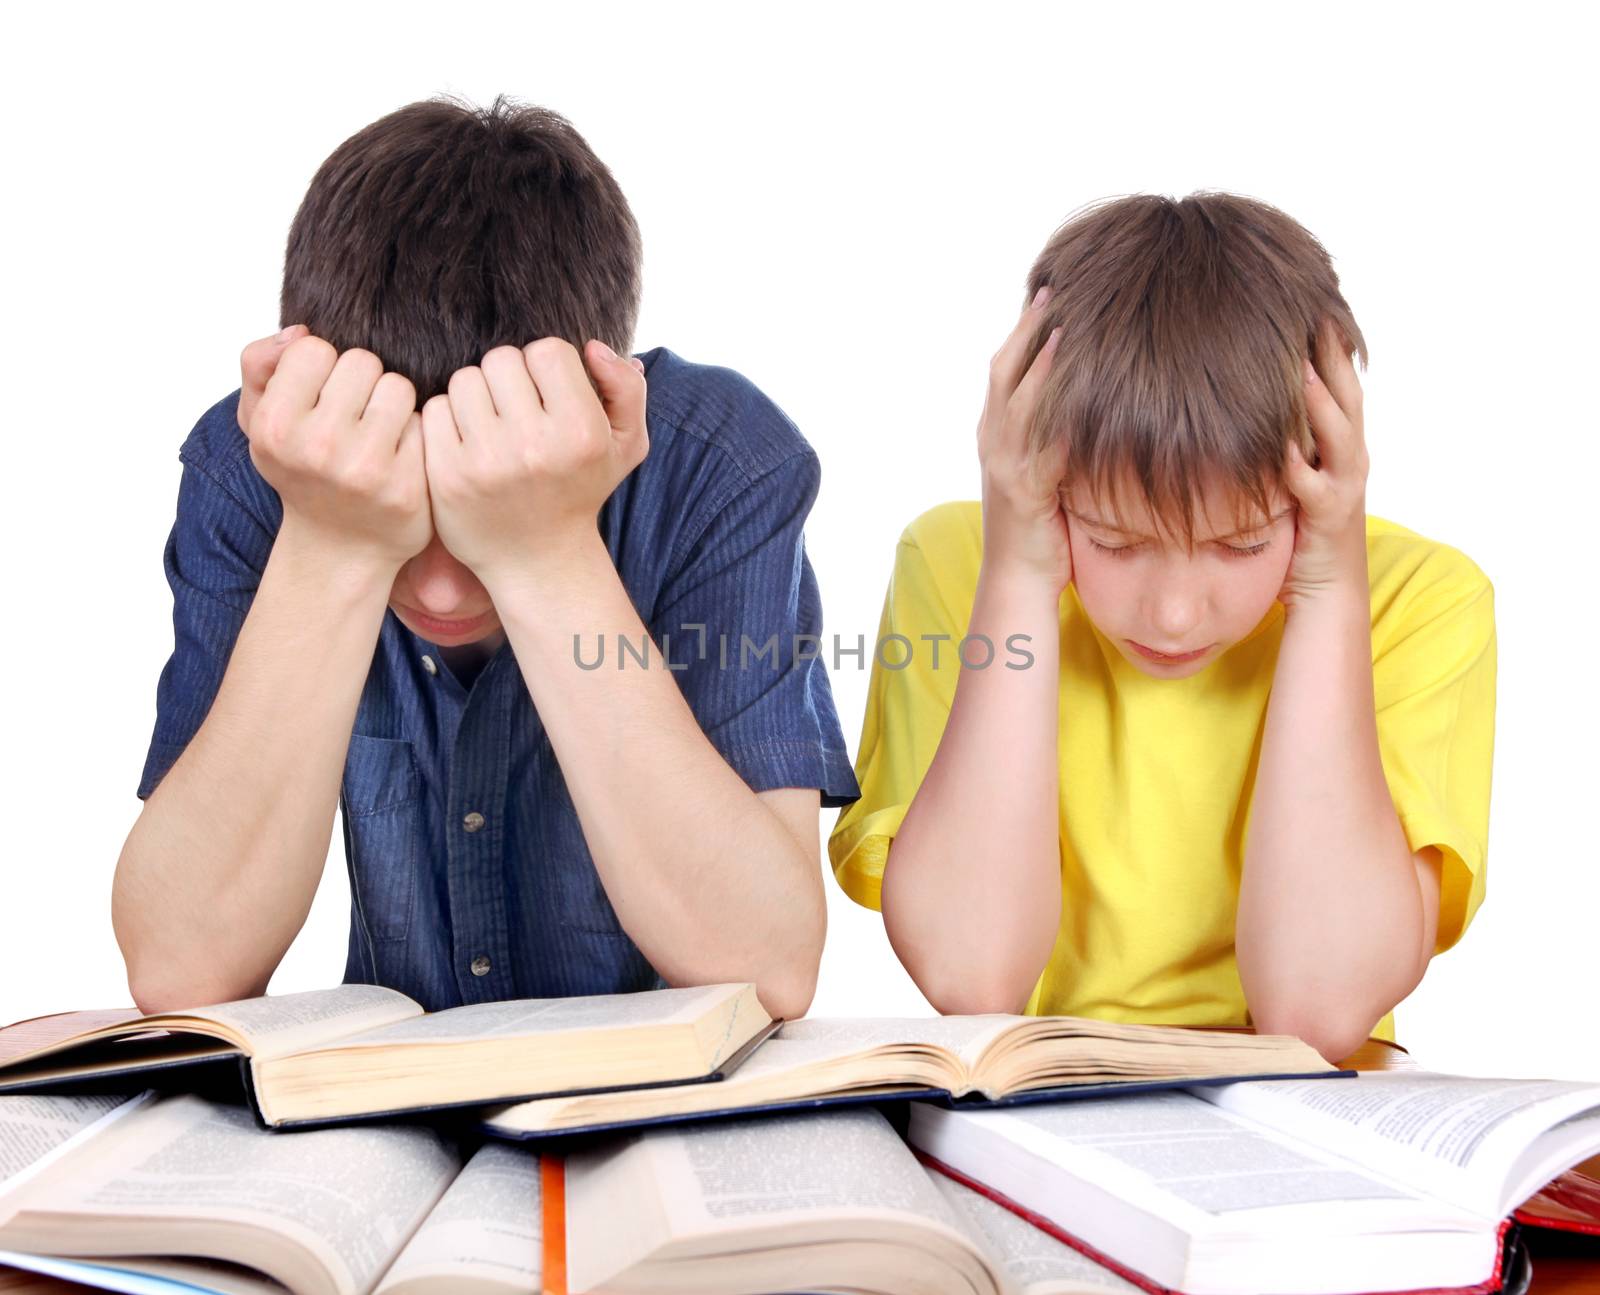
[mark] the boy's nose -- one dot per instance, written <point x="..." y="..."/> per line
<point x="442" y="585"/>
<point x="1175" y="616"/>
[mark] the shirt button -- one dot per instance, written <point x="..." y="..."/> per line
<point x="430" y="665"/>
<point x="472" y="822"/>
<point x="480" y="966"/>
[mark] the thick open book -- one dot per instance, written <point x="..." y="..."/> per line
<point x="362" y="1051"/>
<point x="980" y="1060"/>
<point x="139" y="1194"/>
<point x="827" y="1201"/>
<point x="1399" y="1180"/>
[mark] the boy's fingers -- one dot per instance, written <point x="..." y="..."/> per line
<point x="1328" y="423"/>
<point x="471" y="406"/>
<point x="1338" y="373"/>
<point x="1005" y="369"/>
<point x="440" y="432"/>
<point x="350" y="386"/>
<point x="558" y="372"/>
<point x="408" y="449"/>
<point x="511" y="387"/>
<point x="1026" y="395"/>
<point x="302" y="371"/>
<point x="393" y="399"/>
<point x="622" y="390"/>
<point x="257" y="363"/>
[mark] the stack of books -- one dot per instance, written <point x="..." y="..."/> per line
<point x="343" y="1142"/>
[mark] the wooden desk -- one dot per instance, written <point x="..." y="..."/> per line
<point x="1564" y="1263"/>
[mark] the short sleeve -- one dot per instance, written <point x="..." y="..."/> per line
<point x="909" y="695"/>
<point x="740" y="622"/>
<point x="214" y="557"/>
<point x="1434" y="689"/>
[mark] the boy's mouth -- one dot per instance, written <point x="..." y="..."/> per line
<point x="1153" y="655"/>
<point x="439" y="625"/>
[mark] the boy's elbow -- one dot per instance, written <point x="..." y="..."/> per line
<point x="152" y="995"/>
<point x="787" y="999"/>
<point x="970" y="997"/>
<point x="1334" y="1038"/>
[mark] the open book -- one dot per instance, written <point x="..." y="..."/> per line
<point x="141" y="1194"/>
<point x="984" y="1060"/>
<point x="361" y="1051"/>
<point x="1399" y="1180"/>
<point x="827" y="1201"/>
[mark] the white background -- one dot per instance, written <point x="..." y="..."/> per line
<point x="841" y="202"/>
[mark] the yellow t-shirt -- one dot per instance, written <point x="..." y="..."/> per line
<point x="1157" y="774"/>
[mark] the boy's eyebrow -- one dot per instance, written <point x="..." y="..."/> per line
<point x="1122" y="530"/>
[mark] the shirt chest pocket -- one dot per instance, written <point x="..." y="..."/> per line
<point x="381" y="799"/>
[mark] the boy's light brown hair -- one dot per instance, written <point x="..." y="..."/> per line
<point x="441" y="231"/>
<point x="1184" y="327"/>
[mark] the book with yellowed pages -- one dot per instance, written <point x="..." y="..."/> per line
<point x="178" y="1193"/>
<point x="154" y="1195"/>
<point x="363" y="1051"/>
<point x="968" y="1061"/>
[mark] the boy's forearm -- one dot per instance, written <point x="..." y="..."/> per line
<point x="971" y="892"/>
<point x="1329" y="935"/>
<point x="218" y="873"/>
<point x="704" y="877"/>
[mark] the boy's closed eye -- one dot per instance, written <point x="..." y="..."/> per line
<point x="1249" y="541"/>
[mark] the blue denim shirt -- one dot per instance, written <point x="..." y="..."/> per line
<point x="470" y="878"/>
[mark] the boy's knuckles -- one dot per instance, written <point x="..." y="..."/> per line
<point x="361" y="364"/>
<point x="506" y="359"/>
<point x="547" y="348"/>
<point x="310" y="355"/>
<point x="464" y="380"/>
<point x="395" y="391"/>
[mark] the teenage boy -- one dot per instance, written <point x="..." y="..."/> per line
<point x="437" y="501"/>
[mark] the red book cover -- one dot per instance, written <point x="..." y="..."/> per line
<point x="1571" y="1203"/>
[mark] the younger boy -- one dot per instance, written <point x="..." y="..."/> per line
<point x="1240" y="773"/>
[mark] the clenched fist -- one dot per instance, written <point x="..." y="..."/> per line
<point x="522" y="452"/>
<point x="340" y="441"/>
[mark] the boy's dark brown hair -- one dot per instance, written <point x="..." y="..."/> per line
<point x="1184" y="327"/>
<point x="443" y="230"/>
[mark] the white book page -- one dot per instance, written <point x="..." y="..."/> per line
<point x="279" y="1024"/>
<point x="1173" y="1156"/>
<point x="1035" y="1260"/>
<point x="487" y="1227"/>
<point x="1454" y="1136"/>
<point x="350" y="1196"/>
<point x="541" y="1016"/>
<point x="33" y="1126"/>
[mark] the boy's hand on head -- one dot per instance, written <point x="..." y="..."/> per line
<point x="256" y="365"/>
<point x="521" y="453"/>
<point x="340" y="441"/>
<point x="1330" y="543"/>
<point x="1024" y="528"/>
